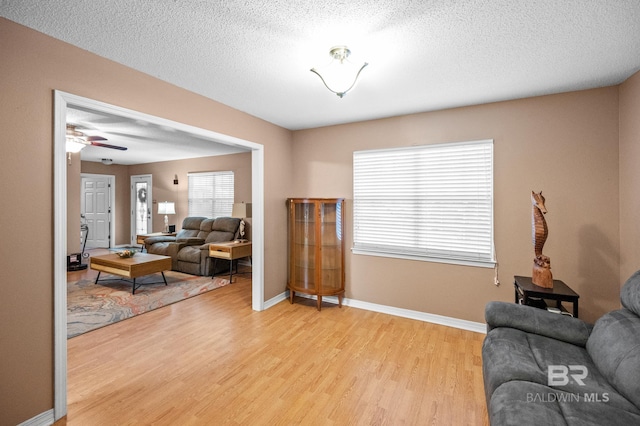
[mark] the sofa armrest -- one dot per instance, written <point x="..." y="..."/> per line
<point x="537" y="321"/>
<point x="159" y="239"/>
<point x="191" y="241"/>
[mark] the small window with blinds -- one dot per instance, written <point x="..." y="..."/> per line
<point x="429" y="202"/>
<point x="211" y="194"/>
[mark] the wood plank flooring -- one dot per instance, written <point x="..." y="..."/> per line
<point x="211" y="360"/>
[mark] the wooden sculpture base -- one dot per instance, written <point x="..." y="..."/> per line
<point x="542" y="276"/>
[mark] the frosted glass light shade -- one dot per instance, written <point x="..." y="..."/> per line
<point x="340" y="75"/>
<point x="166" y="208"/>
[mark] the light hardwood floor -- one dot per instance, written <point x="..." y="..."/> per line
<point x="211" y="360"/>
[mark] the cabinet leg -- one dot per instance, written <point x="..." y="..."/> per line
<point x="319" y="302"/>
<point x="291" y="295"/>
<point x="340" y="300"/>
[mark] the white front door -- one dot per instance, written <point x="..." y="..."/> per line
<point x="95" y="210"/>
<point x="141" y="202"/>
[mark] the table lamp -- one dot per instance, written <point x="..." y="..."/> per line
<point x="166" y="208"/>
<point x="241" y="211"/>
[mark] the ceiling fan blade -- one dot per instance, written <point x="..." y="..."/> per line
<point x="95" y="138"/>
<point x="106" y="145"/>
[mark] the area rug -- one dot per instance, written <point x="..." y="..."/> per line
<point x="91" y="306"/>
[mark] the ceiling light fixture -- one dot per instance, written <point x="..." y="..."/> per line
<point x="340" y="75"/>
<point x="107" y="161"/>
<point x="73" y="145"/>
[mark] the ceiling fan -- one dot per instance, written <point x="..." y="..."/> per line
<point x="77" y="140"/>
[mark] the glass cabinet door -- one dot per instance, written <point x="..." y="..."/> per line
<point x="303" y="248"/>
<point x="331" y="246"/>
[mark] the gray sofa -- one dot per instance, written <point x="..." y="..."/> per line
<point x="542" y="368"/>
<point x="189" y="248"/>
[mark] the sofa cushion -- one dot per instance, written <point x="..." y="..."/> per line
<point x="614" y="346"/>
<point x="205" y="228"/>
<point x="509" y="406"/>
<point x="537" y="321"/>
<point x="226" y="224"/>
<point x="162" y="248"/>
<point x="521" y="403"/>
<point x="630" y="294"/>
<point x="219" y="236"/>
<point x="159" y="239"/>
<point x="189" y="254"/>
<point x="510" y="354"/>
<point x="190" y="227"/>
<point x="223" y="229"/>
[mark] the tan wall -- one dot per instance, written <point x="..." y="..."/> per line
<point x="32" y="65"/>
<point x="565" y="145"/>
<point x="629" y="177"/>
<point x="163" y="187"/>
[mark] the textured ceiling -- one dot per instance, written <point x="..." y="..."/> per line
<point x="255" y="55"/>
<point x="145" y="142"/>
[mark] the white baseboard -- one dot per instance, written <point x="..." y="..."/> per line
<point x="275" y="300"/>
<point x="42" y="419"/>
<point x="476" y="327"/>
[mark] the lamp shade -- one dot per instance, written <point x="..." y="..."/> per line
<point x="241" y="210"/>
<point x="167" y="208"/>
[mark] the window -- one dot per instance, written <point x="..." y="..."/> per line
<point x="430" y="202"/>
<point x="211" y="194"/>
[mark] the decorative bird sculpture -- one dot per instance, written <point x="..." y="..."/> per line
<point x="541" y="276"/>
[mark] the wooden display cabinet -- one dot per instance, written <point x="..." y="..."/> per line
<point x="316" y="247"/>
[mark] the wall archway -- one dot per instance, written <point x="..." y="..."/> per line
<point x="62" y="101"/>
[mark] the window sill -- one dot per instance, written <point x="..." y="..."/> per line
<point x="474" y="263"/>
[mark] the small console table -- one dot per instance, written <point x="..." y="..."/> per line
<point x="525" y="289"/>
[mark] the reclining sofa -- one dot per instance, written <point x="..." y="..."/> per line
<point x="542" y="368"/>
<point x="189" y="248"/>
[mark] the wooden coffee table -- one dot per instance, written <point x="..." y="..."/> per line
<point x="132" y="267"/>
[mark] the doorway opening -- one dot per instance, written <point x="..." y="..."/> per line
<point x="97" y="201"/>
<point x="62" y="101"/>
<point x="141" y="196"/>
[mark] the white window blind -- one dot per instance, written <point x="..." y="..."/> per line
<point x="211" y="194"/>
<point x="431" y="202"/>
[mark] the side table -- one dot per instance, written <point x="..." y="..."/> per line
<point x="230" y="251"/>
<point x="525" y="289"/>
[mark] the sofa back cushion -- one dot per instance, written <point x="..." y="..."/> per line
<point x="190" y="227"/>
<point x="205" y="228"/>
<point x="223" y="229"/>
<point x="630" y="294"/>
<point x="614" y="347"/>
